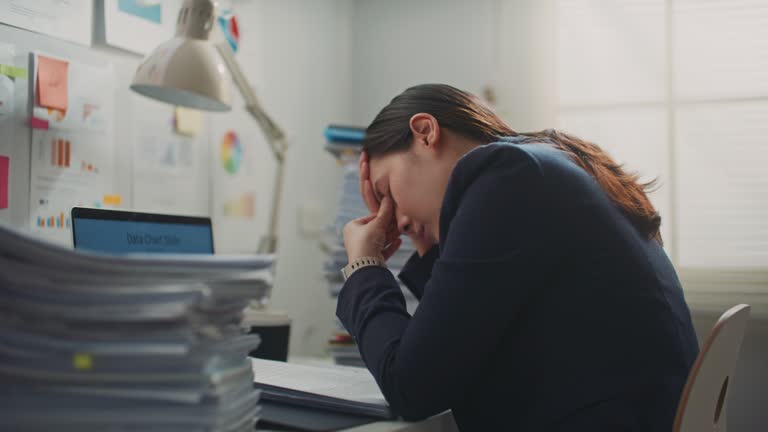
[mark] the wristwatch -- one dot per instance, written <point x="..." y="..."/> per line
<point x="360" y="263"/>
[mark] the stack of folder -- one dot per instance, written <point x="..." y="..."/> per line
<point x="92" y="342"/>
<point x="345" y="144"/>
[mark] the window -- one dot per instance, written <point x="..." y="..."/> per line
<point x="679" y="89"/>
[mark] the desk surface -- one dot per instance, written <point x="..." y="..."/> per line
<point x="439" y="423"/>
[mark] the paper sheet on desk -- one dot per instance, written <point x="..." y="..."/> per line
<point x="348" y="383"/>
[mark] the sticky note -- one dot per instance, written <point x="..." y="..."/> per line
<point x="38" y="123"/>
<point x="5" y="164"/>
<point x="13" y="71"/>
<point x="188" y="121"/>
<point x="112" y="200"/>
<point x="82" y="361"/>
<point x="52" y="87"/>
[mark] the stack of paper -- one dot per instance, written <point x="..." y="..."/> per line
<point x="133" y="342"/>
<point x="351" y="206"/>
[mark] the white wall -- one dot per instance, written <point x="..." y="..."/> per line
<point x="400" y="43"/>
<point x="302" y="61"/>
<point x="527" y="70"/>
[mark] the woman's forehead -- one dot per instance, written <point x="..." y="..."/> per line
<point x="379" y="167"/>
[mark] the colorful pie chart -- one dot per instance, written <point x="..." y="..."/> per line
<point x="228" y="22"/>
<point x="231" y="152"/>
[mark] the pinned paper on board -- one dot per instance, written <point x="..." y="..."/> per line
<point x="4" y="176"/>
<point x="154" y="20"/>
<point x="52" y="83"/>
<point x="73" y="153"/>
<point x="144" y="9"/>
<point x="188" y="121"/>
<point x="170" y="169"/>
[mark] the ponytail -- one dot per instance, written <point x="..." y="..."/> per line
<point x="622" y="187"/>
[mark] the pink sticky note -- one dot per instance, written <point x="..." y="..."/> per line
<point x="52" y="85"/>
<point x="4" y="166"/>
<point x="38" y="123"/>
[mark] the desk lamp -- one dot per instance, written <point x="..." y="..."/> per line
<point x="189" y="70"/>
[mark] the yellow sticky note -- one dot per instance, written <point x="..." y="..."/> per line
<point x="82" y="361"/>
<point x="113" y="200"/>
<point x="52" y="79"/>
<point x="188" y="121"/>
<point x="13" y="71"/>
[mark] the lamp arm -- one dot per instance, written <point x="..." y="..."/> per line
<point x="275" y="138"/>
<point x="272" y="132"/>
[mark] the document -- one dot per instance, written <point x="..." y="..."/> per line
<point x="170" y="170"/>
<point x="139" y="25"/>
<point x="243" y="172"/>
<point x="337" y="388"/>
<point x="73" y="146"/>
<point x="64" y="19"/>
<point x="52" y="83"/>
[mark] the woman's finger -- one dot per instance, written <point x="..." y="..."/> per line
<point x="392" y="248"/>
<point x="365" y="219"/>
<point x="369" y="197"/>
<point x="385" y="213"/>
<point x="362" y="177"/>
<point x="392" y="232"/>
<point x="366" y="190"/>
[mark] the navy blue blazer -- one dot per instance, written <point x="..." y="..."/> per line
<point x="543" y="309"/>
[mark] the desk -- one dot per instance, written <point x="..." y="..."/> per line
<point x="439" y="423"/>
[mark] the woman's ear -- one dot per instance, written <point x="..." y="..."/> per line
<point x="426" y="130"/>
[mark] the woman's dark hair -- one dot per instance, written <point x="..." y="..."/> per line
<point x="465" y="115"/>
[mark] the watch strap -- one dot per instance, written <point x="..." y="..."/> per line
<point x="360" y="263"/>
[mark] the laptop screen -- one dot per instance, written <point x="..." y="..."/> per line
<point x="114" y="231"/>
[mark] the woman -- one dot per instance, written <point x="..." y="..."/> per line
<point x="546" y="299"/>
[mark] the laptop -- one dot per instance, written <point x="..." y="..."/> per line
<point x="118" y="231"/>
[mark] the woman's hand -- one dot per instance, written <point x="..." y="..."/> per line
<point x="372" y="235"/>
<point x="373" y="204"/>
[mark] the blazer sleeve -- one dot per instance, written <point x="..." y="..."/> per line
<point x="418" y="270"/>
<point x="489" y="264"/>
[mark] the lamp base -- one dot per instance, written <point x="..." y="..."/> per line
<point x="274" y="328"/>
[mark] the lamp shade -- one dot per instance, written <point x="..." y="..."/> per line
<point x="187" y="72"/>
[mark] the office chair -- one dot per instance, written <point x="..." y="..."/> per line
<point x="702" y="404"/>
